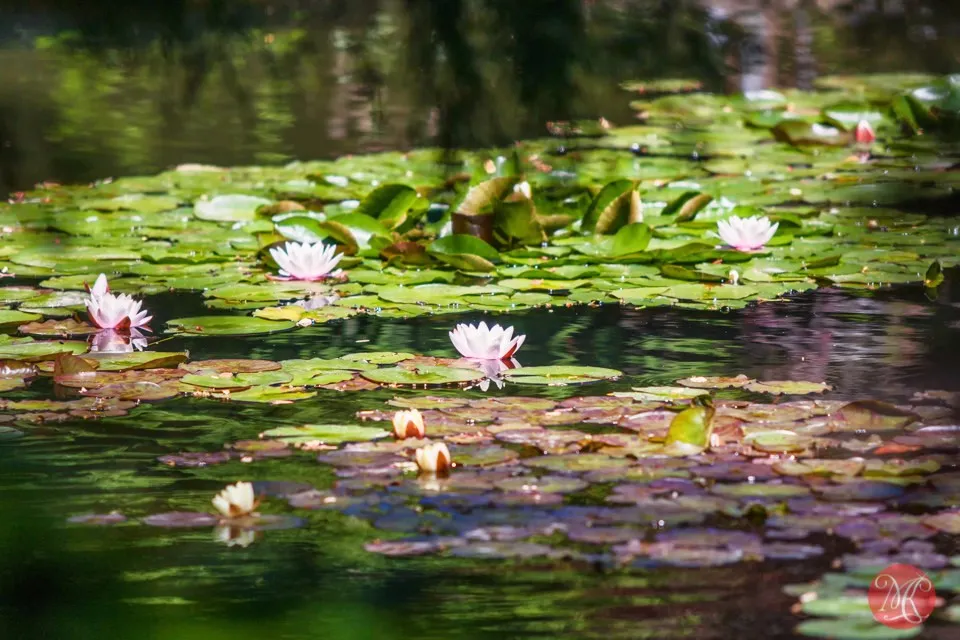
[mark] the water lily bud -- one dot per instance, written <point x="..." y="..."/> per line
<point x="408" y="424"/>
<point x="734" y="276"/>
<point x="524" y="188"/>
<point x="434" y="458"/>
<point x="236" y="500"/>
<point x="863" y="133"/>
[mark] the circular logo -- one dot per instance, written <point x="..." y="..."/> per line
<point x="901" y="596"/>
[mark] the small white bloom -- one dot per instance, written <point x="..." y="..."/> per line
<point x="305" y="261"/>
<point x="746" y="234"/>
<point x="734" y="276"/>
<point x="482" y="343"/>
<point x="111" y="311"/>
<point x="434" y="458"/>
<point x="524" y="188"/>
<point x="236" y="500"/>
<point x="408" y="424"/>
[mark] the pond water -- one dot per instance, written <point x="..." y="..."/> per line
<point x="583" y="503"/>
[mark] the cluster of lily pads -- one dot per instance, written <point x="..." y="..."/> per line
<point x="655" y="476"/>
<point x="670" y="212"/>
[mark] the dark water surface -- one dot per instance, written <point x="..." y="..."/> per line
<point x="95" y="89"/>
<point x="130" y="88"/>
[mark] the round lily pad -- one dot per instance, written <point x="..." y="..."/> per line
<point x="426" y="376"/>
<point x="181" y="519"/>
<point x="329" y="433"/>
<point x="378" y="357"/>
<point x="229" y="326"/>
<point x="559" y="375"/>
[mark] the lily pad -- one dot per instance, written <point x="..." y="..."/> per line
<point x="426" y="376"/>
<point x="228" y="326"/>
<point x="559" y="375"/>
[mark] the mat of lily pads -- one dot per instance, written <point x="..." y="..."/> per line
<point x="623" y="215"/>
<point x="711" y="471"/>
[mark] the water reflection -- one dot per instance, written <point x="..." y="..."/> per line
<point x="138" y="90"/>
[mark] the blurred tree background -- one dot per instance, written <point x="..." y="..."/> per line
<point x="103" y="88"/>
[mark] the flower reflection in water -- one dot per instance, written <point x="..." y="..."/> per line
<point x="110" y="341"/>
<point x="492" y="370"/>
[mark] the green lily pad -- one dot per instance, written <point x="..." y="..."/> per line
<point x="560" y="375"/>
<point x="787" y="387"/>
<point x="229" y="208"/>
<point x="857" y="628"/>
<point x="427" y="376"/>
<point x="228" y="326"/>
<point x="377" y="357"/>
<point x="326" y="433"/>
<point x="13" y="318"/>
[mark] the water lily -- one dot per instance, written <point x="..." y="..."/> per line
<point x="236" y="500"/>
<point x="305" y="261"/>
<point x="524" y="189"/>
<point x="482" y="343"/>
<point x="111" y="311"/>
<point x="746" y="234"/>
<point x="110" y="341"/>
<point x="434" y="458"/>
<point x="863" y="133"/>
<point x="408" y="424"/>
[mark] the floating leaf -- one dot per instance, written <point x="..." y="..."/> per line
<point x="228" y="326"/>
<point x="690" y="430"/>
<point x="559" y="375"/>
<point x="787" y="387"/>
<point x="427" y="376"/>
<point x="229" y="208"/>
<point x="326" y="433"/>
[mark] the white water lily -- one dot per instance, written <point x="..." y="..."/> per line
<point x="110" y="341"/>
<point x="746" y="234"/>
<point x="408" y="424"/>
<point x="305" y="261"/>
<point x="236" y="500"/>
<point x="434" y="458"/>
<point x="482" y="343"/>
<point x="112" y="311"/>
<point x="524" y="189"/>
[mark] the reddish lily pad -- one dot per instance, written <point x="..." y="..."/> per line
<point x="787" y="387"/>
<point x="181" y="519"/>
<point x="715" y="382"/>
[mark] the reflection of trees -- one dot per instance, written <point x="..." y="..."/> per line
<point x="132" y="90"/>
<point x="136" y="87"/>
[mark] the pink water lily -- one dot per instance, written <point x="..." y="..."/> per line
<point x="305" y="261"/>
<point x="746" y="234"/>
<point x="112" y="311"/>
<point x="482" y="343"/>
<point x="863" y="133"/>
